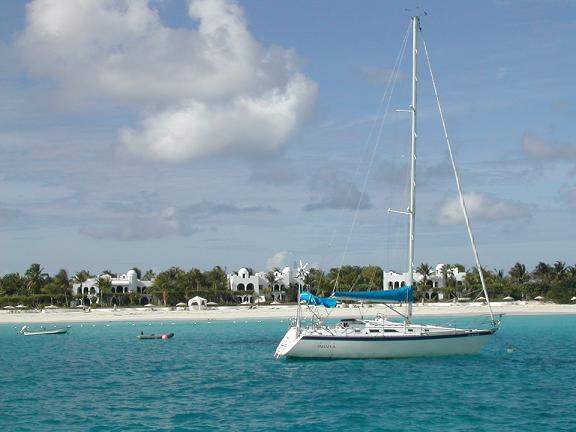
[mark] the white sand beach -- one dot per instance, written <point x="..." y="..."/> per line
<point x="271" y="312"/>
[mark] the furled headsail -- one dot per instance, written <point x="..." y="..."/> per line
<point x="404" y="294"/>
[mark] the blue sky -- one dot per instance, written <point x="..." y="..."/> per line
<point x="206" y="133"/>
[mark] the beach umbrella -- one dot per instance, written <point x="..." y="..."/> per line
<point x="481" y="298"/>
<point x="539" y="298"/>
<point x="181" y="304"/>
<point x="9" y="307"/>
<point x="20" y="306"/>
<point x="508" y="298"/>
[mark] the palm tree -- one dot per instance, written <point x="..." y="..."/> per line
<point x="138" y="272"/>
<point x="104" y="285"/>
<point x="270" y="278"/>
<point x="217" y="278"/>
<point x="35" y="278"/>
<point x="425" y="270"/>
<point x="169" y="283"/>
<point x="518" y="273"/>
<point x="542" y="272"/>
<point x="149" y="275"/>
<point x="197" y="278"/>
<point x="81" y="277"/>
<point x="559" y="270"/>
<point x="62" y="282"/>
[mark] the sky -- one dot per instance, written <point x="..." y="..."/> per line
<point x="248" y="133"/>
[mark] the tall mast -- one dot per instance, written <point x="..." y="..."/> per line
<point x="412" y="208"/>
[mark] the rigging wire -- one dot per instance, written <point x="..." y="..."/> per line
<point x="457" y="177"/>
<point x="385" y="98"/>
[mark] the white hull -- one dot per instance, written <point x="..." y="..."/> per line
<point x="44" y="332"/>
<point x="316" y="345"/>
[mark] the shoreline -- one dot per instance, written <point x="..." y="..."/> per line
<point x="232" y="313"/>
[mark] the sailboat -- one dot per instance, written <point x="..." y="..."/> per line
<point x="381" y="337"/>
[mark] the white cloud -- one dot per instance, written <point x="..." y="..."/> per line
<point x="568" y="195"/>
<point x="120" y="222"/>
<point x="381" y="76"/>
<point x="210" y="208"/>
<point x="246" y="124"/>
<point x="167" y="222"/>
<point x="201" y="92"/>
<point x="277" y="260"/>
<point x="541" y="149"/>
<point x="481" y="207"/>
<point x="8" y="215"/>
<point x="332" y="193"/>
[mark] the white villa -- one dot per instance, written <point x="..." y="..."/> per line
<point x="123" y="284"/>
<point x="249" y="287"/>
<point x="436" y="280"/>
<point x="244" y="281"/>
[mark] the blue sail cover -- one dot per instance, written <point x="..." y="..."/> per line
<point x="317" y="301"/>
<point x="396" y="295"/>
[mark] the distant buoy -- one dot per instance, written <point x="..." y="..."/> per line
<point x="165" y="337"/>
<point x="509" y="349"/>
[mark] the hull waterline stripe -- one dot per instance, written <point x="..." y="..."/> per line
<point x="398" y="338"/>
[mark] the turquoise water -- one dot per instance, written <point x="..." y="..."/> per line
<point x="222" y="376"/>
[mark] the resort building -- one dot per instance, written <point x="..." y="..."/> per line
<point x="248" y="286"/>
<point x="436" y="280"/>
<point x="251" y="286"/>
<point x="122" y="284"/>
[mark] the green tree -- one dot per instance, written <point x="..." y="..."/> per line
<point x="518" y="273"/>
<point x="542" y="272"/>
<point x="81" y="277"/>
<point x="270" y="278"/>
<point x="559" y="270"/>
<point x="425" y="271"/>
<point x="169" y="285"/>
<point x="35" y="279"/>
<point x="149" y="275"/>
<point x="13" y="284"/>
<point x="319" y="282"/>
<point x="217" y="279"/>
<point x="197" y="279"/>
<point x="104" y="285"/>
<point x="138" y="272"/>
<point x="109" y="273"/>
<point x="372" y="277"/>
<point x="62" y="284"/>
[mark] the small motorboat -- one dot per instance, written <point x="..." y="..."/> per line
<point x="25" y="331"/>
<point x="156" y="336"/>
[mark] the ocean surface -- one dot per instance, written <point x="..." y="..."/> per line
<point x="222" y="376"/>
